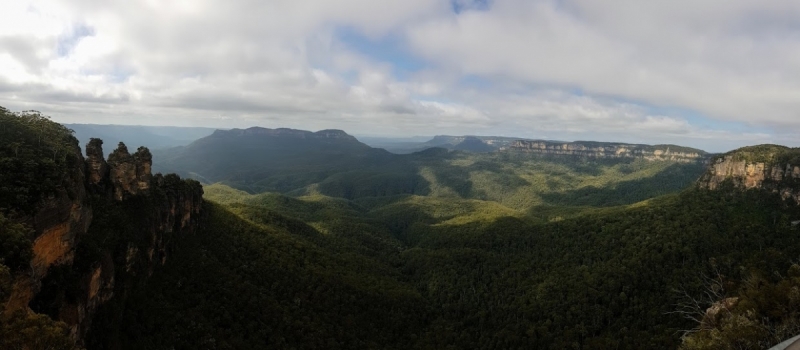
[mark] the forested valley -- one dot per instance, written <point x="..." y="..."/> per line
<point x="306" y="242"/>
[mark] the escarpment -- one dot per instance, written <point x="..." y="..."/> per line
<point x="610" y="150"/>
<point x="99" y="234"/>
<point x="769" y="167"/>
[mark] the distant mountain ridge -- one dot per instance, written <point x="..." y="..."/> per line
<point x="611" y="150"/>
<point x="334" y="163"/>
<point x="154" y="136"/>
<point x="489" y="143"/>
<point x="473" y="144"/>
<point x="594" y="149"/>
<point x="339" y="245"/>
<point x="281" y="160"/>
<point x="286" y="132"/>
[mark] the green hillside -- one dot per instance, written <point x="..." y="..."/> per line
<point x="298" y="163"/>
<point x="317" y="241"/>
<point x="38" y="158"/>
<point x="257" y="274"/>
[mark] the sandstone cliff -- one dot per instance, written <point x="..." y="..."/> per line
<point x="771" y="167"/>
<point x="610" y="150"/>
<point x="104" y="230"/>
<point x="130" y="173"/>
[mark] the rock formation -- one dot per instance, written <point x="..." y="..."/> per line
<point x="775" y="168"/>
<point x="166" y="207"/>
<point x="610" y="150"/>
<point x="130" y="174"/>
<point x="96" y="165"/>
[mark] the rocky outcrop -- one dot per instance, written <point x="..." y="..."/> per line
<point x="716" y="311"/>
<point x="96" y="165"/>
<point x="774" y="168"/>
<point x="156" y="209"/>
<point x="97" y="287"/>
<point x="611" y="150"/>
<point x="130" y="174"/>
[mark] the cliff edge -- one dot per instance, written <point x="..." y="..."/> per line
<point x="771" y="167"/>
<point x="611" y="150"/>
<point x="83" y="231"/>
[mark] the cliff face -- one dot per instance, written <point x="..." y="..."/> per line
<point x="105" y="231"/>
<point x="773" y="168"/>
<point x="610" y="150"/>
<point x="57" y="222"/>
<point x="130" y="174"/>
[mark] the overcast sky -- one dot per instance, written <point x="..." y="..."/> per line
<point x="712" y="74"/>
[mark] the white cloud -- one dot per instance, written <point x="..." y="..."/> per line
<point x="502" y="66"/>
<point x="732" y="60"/>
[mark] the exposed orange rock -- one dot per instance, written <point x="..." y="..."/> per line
<point x="748" y="175"/>
<point x="21" y="295"/>
<point x="96" y="165"/>
<point x="63" y="218"/>
<point x="54" y="245"/>
<point x="130" y="174"/>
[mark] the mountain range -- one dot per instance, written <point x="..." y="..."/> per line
<point x="296" y="239"/>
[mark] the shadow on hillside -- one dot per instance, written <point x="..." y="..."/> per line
<point x="493" y="235"/>
<point x="374" y="183"/>
<point x="671" y="179"/>
<point x="457" y="178"/>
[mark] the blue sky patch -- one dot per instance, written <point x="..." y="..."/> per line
<point x="390" y="49"/>
<point x="460" y="6"/>
<point x="67" y="42"/>
<point x="702" y="121"/>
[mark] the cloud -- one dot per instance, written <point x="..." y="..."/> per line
<point x="696" y="72"/>
<point x="732" y="60"/>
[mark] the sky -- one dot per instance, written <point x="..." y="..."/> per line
<point x="711" y="74"/>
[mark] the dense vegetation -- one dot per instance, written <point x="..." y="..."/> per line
<point x="20" y="330"/>
<point x="764" y="310"/>
<point x="771" y="154"/>
<point x="511" y="250"/>
<point x="330" y="244"/>
<point x="37" y="157"/>
<point x="607" y="278"/>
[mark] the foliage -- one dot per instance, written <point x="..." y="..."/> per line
<point x="358" y="248"/>
<point x="24" y="331"/>
<point x="767" y="312"/>
<point x="239" y="285"/>
<point x="15" y="244"/>
<point x="5" y="286"/>
<point x="37" y="159"/>
<point x="36" y="156"/>
<point x="770" y="154"/>
<point x="601" y="279"/>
